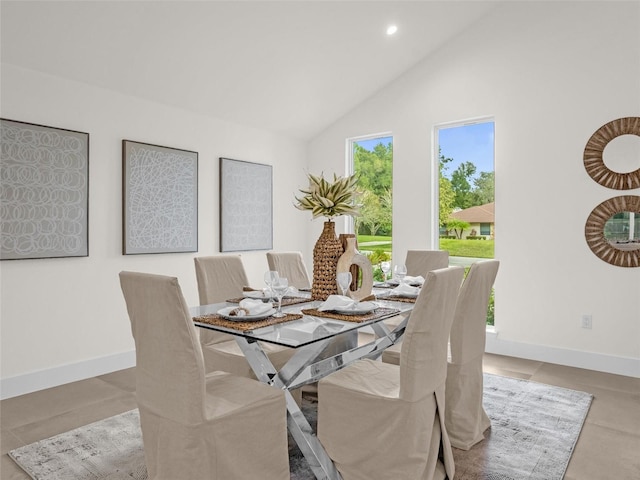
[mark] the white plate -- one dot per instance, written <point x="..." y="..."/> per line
<point x="360" y="309"/>
<point x="390" y="293"/>
<point x="395" y="283"/>
<point x="224" y="313"/>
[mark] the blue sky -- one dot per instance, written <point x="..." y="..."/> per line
<point x="466" y="143"/>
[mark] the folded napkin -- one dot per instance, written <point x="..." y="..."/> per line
<point x="405" y="290"/>
<point x="264" y="294"/>
<point x="336" y="301"/>
<point x="419" y="280"/>
<point x="292" y="292"/>
<point x="248" y="306"/>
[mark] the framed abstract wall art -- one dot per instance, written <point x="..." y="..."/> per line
<point x="44" y="191"/>
<point x="246" y="206"/>
<point x="160" y="199"/>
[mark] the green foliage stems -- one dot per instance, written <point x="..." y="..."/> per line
<point x="325" y="199"/>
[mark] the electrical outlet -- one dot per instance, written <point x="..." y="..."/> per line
<point x="586" y="321"/>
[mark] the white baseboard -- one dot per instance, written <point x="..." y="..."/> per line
<point x="599" y="362"/>
<point x="52" y="377"/>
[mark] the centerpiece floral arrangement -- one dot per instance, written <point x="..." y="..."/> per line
<point x="328" y="199"/>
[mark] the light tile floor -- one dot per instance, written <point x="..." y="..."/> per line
<point x="608" y="447"/>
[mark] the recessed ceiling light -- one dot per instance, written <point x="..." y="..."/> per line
<point x="391" y="29"/>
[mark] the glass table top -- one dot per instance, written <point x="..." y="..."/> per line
<point x="304" y="331"/>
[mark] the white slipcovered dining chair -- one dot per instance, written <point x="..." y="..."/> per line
<point x="290" y="265"/>
<point x="220" y="278"/>
<point x="465" y="417"/>
<point x="386" y="422"/>
<point x="420" y="262"/>
<point x="196" y="425"/>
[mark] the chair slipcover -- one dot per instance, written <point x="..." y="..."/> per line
<point x="386" y="422"/>
<point x="196" y="426"/>
<point x="465" y="417"/>
<point x="418" y="262"/>
<point x="290" y="265"/>
<point x="421" y="262"/>
<point x="220" y="278"/>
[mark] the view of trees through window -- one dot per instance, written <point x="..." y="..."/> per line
<point x="466" y="198"/>
<point x="373" y="162"/>
<point x="466" y="188"/>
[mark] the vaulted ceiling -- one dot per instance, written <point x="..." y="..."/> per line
<point x="292" y="67"/>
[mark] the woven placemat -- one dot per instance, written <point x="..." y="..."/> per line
<point x="215" y="319"/>
<point x="396" y="298"/>
<point x="377" y="313"/>
<point x="285" y="300"/>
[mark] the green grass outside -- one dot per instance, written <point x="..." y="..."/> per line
<point x="468" y="248"/>
<point x="456" y="248"/>
<point x="373" y="238"/>
<point x="384" y="246"/>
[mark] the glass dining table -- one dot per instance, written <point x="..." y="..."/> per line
<point x="323" y="344"/>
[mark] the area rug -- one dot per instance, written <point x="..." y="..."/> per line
<point x="534" y="431"/>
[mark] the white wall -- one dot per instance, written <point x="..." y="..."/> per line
<point x="551" y="74"/>
<point x="65" y="319"/>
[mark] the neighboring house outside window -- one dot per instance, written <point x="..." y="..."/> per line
<point x="480" y="218"/>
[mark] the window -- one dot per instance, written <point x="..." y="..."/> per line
<point x="466" y="188"/>
<point x="372" y="159"/>
<point x="465" y="206"/>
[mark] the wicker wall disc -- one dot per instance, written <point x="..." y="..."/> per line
<point x="594" y="163"/>
<point x="624" y="255"/>
<point x="326" y="253"/>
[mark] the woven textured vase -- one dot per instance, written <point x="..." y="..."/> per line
<point x="326" y="253"/>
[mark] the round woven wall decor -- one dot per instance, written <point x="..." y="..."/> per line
<point x="593" y="162"/>
<point x="621" y="255"/>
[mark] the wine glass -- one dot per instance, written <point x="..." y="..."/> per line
<point x="386" y="268"/>
<point x="280" y="286"/>
<point x="400" y="271"/>
<point x="269" y="278"/>
<point x="344" y="281"/>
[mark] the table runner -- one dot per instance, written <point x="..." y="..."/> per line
<point x="215" y="319"/>
<point x="377" y="313"/>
